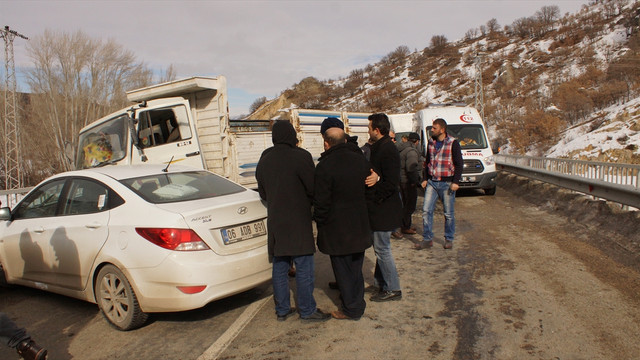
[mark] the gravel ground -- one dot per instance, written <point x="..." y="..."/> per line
<point x="528" y="278"/>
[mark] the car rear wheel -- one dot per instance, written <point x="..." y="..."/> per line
<point x="490" y="191"/>
<point x="117" y="301"/>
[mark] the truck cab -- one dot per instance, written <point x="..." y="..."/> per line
<point x="465" y="124"/>
<point x="183" y="121"/>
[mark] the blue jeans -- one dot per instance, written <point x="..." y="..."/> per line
<point x="435" y="190"/>
<point x="304" y="284"/>
<point x="386" y="274"/>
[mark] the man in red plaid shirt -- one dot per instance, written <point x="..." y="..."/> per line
<point x="442" y="176"/>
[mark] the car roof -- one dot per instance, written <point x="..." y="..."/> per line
<point x="120" y="172"/>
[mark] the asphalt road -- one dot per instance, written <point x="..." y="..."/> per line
<point x="523" y="281"/>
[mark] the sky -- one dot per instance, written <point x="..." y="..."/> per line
<point x="261" y="47"/>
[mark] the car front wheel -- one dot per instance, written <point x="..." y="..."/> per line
<point x="117" y="301"/>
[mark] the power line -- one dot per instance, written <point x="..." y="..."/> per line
<point x="13" y="178"/>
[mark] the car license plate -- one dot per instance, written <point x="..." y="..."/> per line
<point x="468" y="178"/>
<point x="243" y="232"/>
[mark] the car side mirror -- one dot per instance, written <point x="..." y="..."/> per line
<point x="5" y="214"/>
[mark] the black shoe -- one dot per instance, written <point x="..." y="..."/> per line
<point x="318" y="315"/>
<point x="372" y="289"/>
<point x="333" y="285"/>
<point x="29" y="350"/>
<point x="286" y="315"/>
<point x="387" y="296"/>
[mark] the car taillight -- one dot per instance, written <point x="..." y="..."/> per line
<point x="173" y="239"/>
<point x="191" y="289"/>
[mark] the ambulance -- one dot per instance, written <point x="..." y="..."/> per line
<point x="465" y="124"/>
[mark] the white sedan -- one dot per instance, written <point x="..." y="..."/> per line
<point x="137" y="239"/>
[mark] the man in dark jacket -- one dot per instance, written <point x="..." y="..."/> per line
<point x="385" y="207"/>
<point x="285" y="181"/>
<point x="16" y="337"/>
<point x="442" y="176"/>
<point x="340" y="212"/>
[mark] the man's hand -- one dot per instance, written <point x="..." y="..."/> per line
<point x="424" y="184"/>
<point x="454" y="187"/>
<point x="372" y="179"/>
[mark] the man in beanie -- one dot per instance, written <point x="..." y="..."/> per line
<point x="285" y="181"/>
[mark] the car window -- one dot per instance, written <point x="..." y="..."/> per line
<point x="86" y="197"/>
<point x="42" y="202"/>
<point x="181" y="186"/>
<point x="163" y="126"/>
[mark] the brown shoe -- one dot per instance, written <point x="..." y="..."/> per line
<point x="397" y="234"/>
<point x="342" y="316"/>
<point x="423" y="245"/>
<point x="409" y="231"/>
<point x="447" y="244"/>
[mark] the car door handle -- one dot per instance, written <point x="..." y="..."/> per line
<point x="39" y="230"/>
<point x="195" y="153"/>
<point x="93" y="225"/>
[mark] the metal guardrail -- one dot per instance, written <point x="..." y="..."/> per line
<point x="11" y="197"/>
<point x="611" y="181"/>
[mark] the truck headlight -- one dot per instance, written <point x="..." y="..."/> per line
<point x="489" y="160"/>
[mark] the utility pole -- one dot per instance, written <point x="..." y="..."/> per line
<point x="479" y="97"/>
<point x="13" y="179"/>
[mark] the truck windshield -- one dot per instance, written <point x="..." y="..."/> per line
<point x="103" y="144"/>
<point x="469" y="136"/>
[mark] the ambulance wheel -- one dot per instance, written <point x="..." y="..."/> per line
<point x="490" y="191"/>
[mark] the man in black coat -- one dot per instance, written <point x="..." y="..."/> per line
<point x="340" y="212"/>
<point x="285" y="181"/>
<point x="385" y="207"/>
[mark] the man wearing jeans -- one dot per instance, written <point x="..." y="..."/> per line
<point x="285" y="181"/>
<point x="385" y="206"/>
<point x="443" y="173"/>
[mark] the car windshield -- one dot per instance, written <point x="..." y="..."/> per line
<point x="469" y="136"/>
<point x="181" y="186"/>
<point x="105" y="143"/>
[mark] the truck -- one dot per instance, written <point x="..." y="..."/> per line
<point x="187" y="121"/>
<point x="466" y="125"/>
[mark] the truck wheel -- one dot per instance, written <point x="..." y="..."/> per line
<point x="117" y="301"/>
<point x="490" y="191"/>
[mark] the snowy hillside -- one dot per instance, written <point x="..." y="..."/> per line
<point x="565" y="87"/>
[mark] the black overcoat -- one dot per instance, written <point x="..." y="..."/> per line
<point x="383" y="199"/>
<point x="285" y="181"/>
<point x="339" y="201"/>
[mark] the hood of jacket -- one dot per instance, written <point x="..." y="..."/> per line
<point x="403" y="145"/>
<point x="284" y="133"/>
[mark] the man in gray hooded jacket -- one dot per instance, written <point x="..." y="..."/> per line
<point x="410" y="168"/>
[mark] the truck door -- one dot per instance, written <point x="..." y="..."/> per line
<point x="166" y="132"/>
